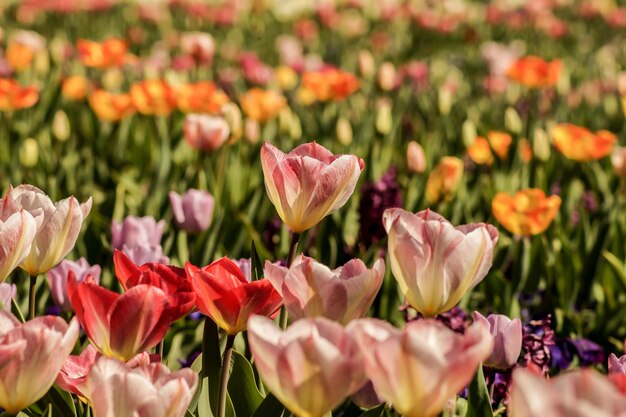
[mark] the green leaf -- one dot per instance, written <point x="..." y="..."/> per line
<point x="257" y="263"/>
<point x="375" y="412"/>
<point x="211" y="365"/>
<point x="242" y="387"/>
<point x="478" y="399"/>
<point x="270" y="407"/>
<point x="617" y="266"/>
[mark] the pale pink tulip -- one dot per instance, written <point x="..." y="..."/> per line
<point x="136" y="231"/>
<point x="434" y="262"/>
<point x="200" y="46"/>
<point x="311" y="367"/>
<point x="308" y="183"/>
<point x="31" y="355"/>
<point x="204" y="132"/>
<point x="417" y="370"/>
<point x="507" y="339"/>
<point x="18" y="229"/>
<point x="151" y="390"/>
<point x="415" y="158"/>
<point x="617" y="365"/>
<point x="7" y="293"/>
<point x="618" y="160"/>
<point x="57" y="279"/>
<point x="193" y="210"/>
<point x="311" y="289"/>
<point x="143" y="254"/>
<point x="59" y="229"/>
<point x="581" y="393"/>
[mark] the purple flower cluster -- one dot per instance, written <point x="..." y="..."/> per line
<point x="376" y="197"/>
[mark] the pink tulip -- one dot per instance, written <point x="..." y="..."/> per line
<point x="60" y="226"/>
<point x="308" y="183"/>
<point x="311" y="289"/>
<point x="618" y="160"/>
<point x="7" y="293"/>
<point x="193" y="210"/>
<point x="144" y="254"/>
<point x="311" y="367"/>
<point x="57" y="279"/>
<point x="617" y="365"/>
<point x="415" y="158"/>
<point x="434" y="262"/>
<point x="507" y="338"/>
<point x="31" y="355"/>
<point x="152" y="390"/>
<point x="581" y="393"/>
<point x="200" y="46"/>
<point x="18" y="229"/>
<point x="204" y="132"/>
<point x="136" y="231"/>
<point x="417" y="370"/>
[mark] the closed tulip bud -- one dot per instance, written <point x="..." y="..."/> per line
<point x="60" y="226"/>
<point x="18" y="229"/>
<point x="469" y="133"/>
<point x="113" y="79"/>
<point x="75" y="87"/>
<point x="308" y="183"/>
<point x="116" y="390"/>
<point x="445" y="100"/>
<point x="252" y="130"/>
<point x="57" y="279"/>
<point x="434" y="262"/>
<point x="418" y="369"/>
<point x="311" y="289"/>
<point x="512" y="121"/>
<point x="311" y="367"/>
<point x="29" y="153"/>
<point x="61" y="126"/>
<point x="205" y="132"/>
<point x="507" y="338"/>
<point x="31" y="354"/>
<point x="232" y="115"/>
<point x="541" y="145"/>
<point x="199" y="45"/>
<point x="415" y="158"/>
<point x="284" y="120"/>
<point x="366" y="63"/>
<point x="286" y="78"/>
<point x="444" y="179"/>
<point x="618" y="160"/>
<point x="343" y="131"/>
<point x="193" y="210"/>
<point x="386" y="76"/>
<point x="384" y="118"/>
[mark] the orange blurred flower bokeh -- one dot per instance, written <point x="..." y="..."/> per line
<point x="580" y="144"/>
<point x="202" y="97"/>
<point x="444" y="179"/>
<point x="535" y="72"/>
<point x="480" y="152"/>
<point x="13" y="96"/>
<point x="330" y="84"/>
<point x="106" y="54"/>
<point x="110" y="106"/>
<point x="153" y="97"/>
<point x="261" y="105"/>
<point x="527" y="212"/>
<point x="75" y="87"/>
<point x="500" y="143"/>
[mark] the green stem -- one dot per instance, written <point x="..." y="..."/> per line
<point x="31" y="297"/>
<point x="284" y="316"/>
<point x="228" y="352"/>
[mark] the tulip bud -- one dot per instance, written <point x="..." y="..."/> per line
<point x="61" y="126"/>
<point x="384" y="118"/>
<point x="512" y="121"/>
<point x="386" y="76"/>
<point x="507" y="337"/>
<point x="366" y="63"/>
<point x="618" y="160"/>
<point x="416" y="160"/>
<point x="193" y="210"/>
<point x="232" y="115"/>
<point x="295" y="130"/>
<point x="444" y="179"/>
<point x="541" y="145"/>
<point x="286" y="78"/>
<point x="205" y="132"/>
<point x="284" y="120"/>
<point x="42" y="63"/>
<point x="252" y="131"/>
<point x="344" y="131"/>
<point x="445" y="100"/>
<point x="469" y="132"/>
<point x="112" y="79"/>
<point x="29" y="153"/>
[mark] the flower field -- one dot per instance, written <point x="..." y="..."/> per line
<point x="333" y="208"/>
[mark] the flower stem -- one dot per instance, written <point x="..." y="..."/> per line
<point x="31" y="297"/>
<point x="228" y="352"/>
<point x="293" y="247"/>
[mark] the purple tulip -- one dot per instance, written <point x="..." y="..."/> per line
<point x="507" y="337"/>
<point x="57" y="279"/>
<point x="193" y="211"/>
<point x="136" y="231"/>
<point x="143" y="254"/>
<point x="7" y="292"/>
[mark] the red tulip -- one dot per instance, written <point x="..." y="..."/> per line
<point x="224" y="294"/>
<point x="171" y="279"/>
<point x="123" y="325"/>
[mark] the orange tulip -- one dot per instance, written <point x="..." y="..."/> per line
<point x="330" y="84"/>
<point x="525" y="151"/>
<point x="580" y="144"/>
<point x="110" y="53"/>
<point x="111" y="107"/>
<point x="22" y="49"/>
<point x="13" y="96"/>
<point x="153" y="97"/>
<point x="535" y="72"/>
<point x="480" y="152"/>
<point x="203" y="97"/>
<point x="261" y="105"/>
<point x="75" y="87"/>
<point x="444" y="179"/>
<point x="500" y="143"/>
<point x="528" y="212"/>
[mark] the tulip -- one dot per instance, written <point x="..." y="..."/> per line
<point x="387" y="76"/>
<point x="153" y="97"/>
<point x="308" y="183"/>
<point x="384" y="117"/>
<point x="232" y="115"/>
<point x="200" y="46"/>
<point x="480" y="152"/>
<point x="618" y="160"/>
<point x="136" y="231"/>
<point x="18" y="229"/>
<point x="143" y="254"/>
<point x="193" y="210"/>
<point x="29" y="153"/>
<point x="343" y="131"/>
<point x="224" y="294"/>
<point x="252" y="131"/>
<point x="171" y="279"/>
<point x="415" y="158"/>
<point x="206" y="133"/>
<point x="311" y="367"/>
<point x="500" y="143"/>
<point x="57" y="279"/>
<point x="114" y="390"/>
<point x="420" y="368"/>
<point x="203" y="97"/>
<point x="109" y="53"/>
<point x="61" y="128"/>
<point x="7" y="293"/>
<point x="580" y="144"/>
<point x="22" y="48"/>
<point x="311" y="289"/>
<point x="330" y="84"/>
<point x="59" y="228"/>
<point x="534" y="72"/>
<point x="527" y="212"/>
<point x="507" y="338"/>
<point x="579" y="393"/>
<point x="75" y="87"/>
<point x="434" y="262"/>
<point x="366" y="64"/>
<point x="14" y="97"/>
<point x="111" y="107"/>
<point x="260" y="105"/>
<point x="444" y="179"/>
<point x="286" y="78"/>
<point x="31" y="355"/>
<point x="120" y="326"/>
<point x="617" y="365"/>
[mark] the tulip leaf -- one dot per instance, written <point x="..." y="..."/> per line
<point x="257" y="264"/>
<point x="60" y="402"/>
<point x="242" y="386"/>
<point x="378" y="411"/>
<point x="270" y="407"/>
<point x="211" y="365"/>
<point x="478" y="400"/>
